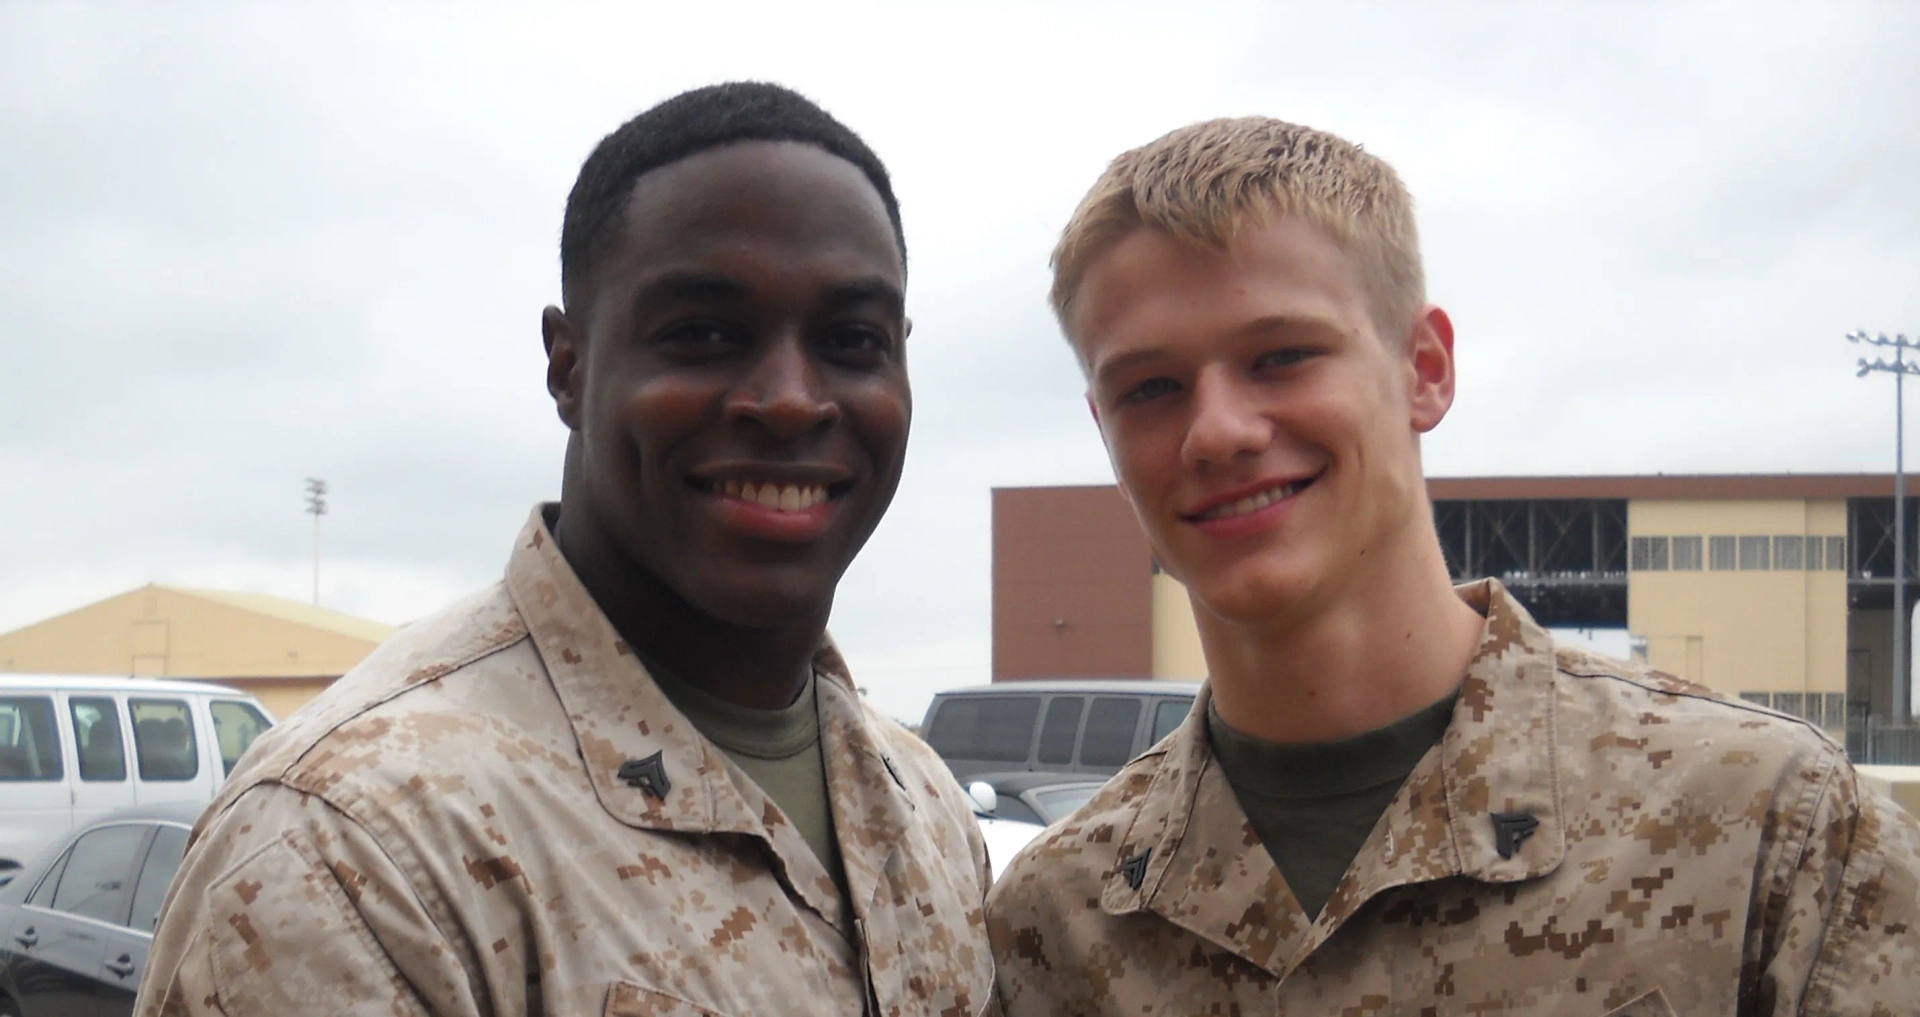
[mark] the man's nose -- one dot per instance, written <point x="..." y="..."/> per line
<point x="1226" y="423"/>
<point x="783" y="392"/>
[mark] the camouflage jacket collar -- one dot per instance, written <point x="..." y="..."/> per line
<point x="1483" y="804"/>
<point x="651" y="769"/>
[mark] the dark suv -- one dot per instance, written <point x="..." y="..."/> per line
<point x="1082" y="727"/>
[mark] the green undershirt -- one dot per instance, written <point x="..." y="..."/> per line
<point x="779" y="749"/>
<point x="1314" y="805"/>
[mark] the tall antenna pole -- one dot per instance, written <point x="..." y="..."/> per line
<point x="316" y="507"/>
<point x="1903" y="691"/>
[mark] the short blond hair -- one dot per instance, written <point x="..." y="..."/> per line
<point x="1207" y="181"/>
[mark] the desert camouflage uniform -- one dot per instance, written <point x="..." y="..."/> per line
<point x="499" y="813"/>
<point x="1588" y="838"/>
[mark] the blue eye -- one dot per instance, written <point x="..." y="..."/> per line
<point x="1283" y="358"/>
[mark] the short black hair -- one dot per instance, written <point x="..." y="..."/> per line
<point x="687" y="124"/>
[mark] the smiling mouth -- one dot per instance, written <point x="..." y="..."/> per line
<point x="1254" y="502"/>
<point x="772" y="494"/>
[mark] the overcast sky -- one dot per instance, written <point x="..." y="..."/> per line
<point x="244" y="244"/>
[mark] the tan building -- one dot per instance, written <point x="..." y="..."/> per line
<point x="1773" y="587"/>
<point x="281" y="651"/>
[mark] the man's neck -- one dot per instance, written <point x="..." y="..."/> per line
<point x="1395" y="640"/>
<point x="761" y="668"/>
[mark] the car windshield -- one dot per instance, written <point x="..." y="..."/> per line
<point x="1057" y="802"/>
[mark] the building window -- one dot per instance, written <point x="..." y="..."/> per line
<point x="1758" y="698"/>
<point x="1686" y="554"/>
<point x="1720" y="553"/>
<point x="1753" y="553"/>
<point x="1836" y="709"/>
<point x="1793" y="704"/>
<point x="1816" y="553"/>
<point x="1647" y="554"/>
<point x="1787" y="555"/>
<point x="1836" y="554"/>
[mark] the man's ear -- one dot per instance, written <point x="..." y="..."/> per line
<point x="565" y="364"/>
<point x="1429" y="359"/>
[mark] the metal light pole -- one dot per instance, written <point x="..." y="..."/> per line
<point x="316" y="507"/>
<point x="1903" y="696"/>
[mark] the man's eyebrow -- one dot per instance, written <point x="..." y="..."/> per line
<point x="1123" y="361"/>
<point x="871" y="289"/>
<point x="700" y="287"/>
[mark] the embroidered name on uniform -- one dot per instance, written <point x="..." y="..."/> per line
<point x="1510" y="828"/>
<point x="649" y="775"/>
<point x="1134" y="869"/>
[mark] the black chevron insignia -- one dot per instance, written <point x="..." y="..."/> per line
<point x="649" y="775"/>
<point x="1134" y="869"/>
<point x="1510" y="828"/>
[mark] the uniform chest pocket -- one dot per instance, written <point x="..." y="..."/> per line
<point x="628" y="1000"/>
<point x="1652" y="1004"/>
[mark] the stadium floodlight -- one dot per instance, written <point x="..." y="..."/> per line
<point x="1903" y="685"/>
<point x="316" y="507"/>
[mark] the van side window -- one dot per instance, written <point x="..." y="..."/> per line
<point x="235" y="725"/>
<point x="990" y="728"/>
<point x="95" y="880"/>
<point x="1056" y="734"/>
<point x="29" y="746"/>
<point x="96" y="737"/>
<point x="163" y="739"/>
<point x="1108" y="740"/>
<point x="1167" y="715"/>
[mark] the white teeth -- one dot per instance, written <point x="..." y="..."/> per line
<point x="1255" y="502"/>
<point x="782" y="498"/>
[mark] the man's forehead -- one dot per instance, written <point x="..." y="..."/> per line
<point x="790" y="190"/>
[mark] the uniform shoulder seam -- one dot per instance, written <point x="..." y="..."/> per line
<point x="1702" y="696"/>
<point x="415" y="680"/>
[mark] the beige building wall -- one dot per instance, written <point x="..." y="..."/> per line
<point x="1176" y="639"/>
<point x="281" y="696"/>
<point x="164" y="632"/>
<point x="1742" y="630"/>
<point x="282" y="652"/>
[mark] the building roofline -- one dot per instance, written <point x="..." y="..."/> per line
<point x="1656" y="486"/>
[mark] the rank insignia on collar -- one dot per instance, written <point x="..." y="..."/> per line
<point x="1134" y="869"/>
<point x="1510" y="828"/>
<point x="649" y="775"/>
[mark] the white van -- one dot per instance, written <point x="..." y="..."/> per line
<point x="64" y="759"/>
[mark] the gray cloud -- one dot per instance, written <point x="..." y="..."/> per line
<point x="244" y="244"/>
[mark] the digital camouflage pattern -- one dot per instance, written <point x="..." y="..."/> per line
<point x="499" y="813"/>
<point x="1671" y="852"/>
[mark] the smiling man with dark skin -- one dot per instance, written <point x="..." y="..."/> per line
<point x="635" y="777"/>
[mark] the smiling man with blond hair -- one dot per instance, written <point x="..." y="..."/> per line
<point x="1395" y="796"/>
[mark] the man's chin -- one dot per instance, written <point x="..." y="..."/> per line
<point x="1256" y="597"/>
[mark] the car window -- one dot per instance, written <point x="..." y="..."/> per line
<point x="235" y="726"/>
<point x="1108" y="740"/>
<point x="163" y="739"/>
<point x="1058" y="802"/>
<point x="43" y="894"/>
<point x="1017" y="810"/>
<point x="995" y="728"/>
<point x="169" y="845"/>
<point x="1167" y="715"/>
<point x="95" y="880"/>
<point x="1062" y="723"/>
<point x="29" y="747"/>
<point x="96" y="737"/>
